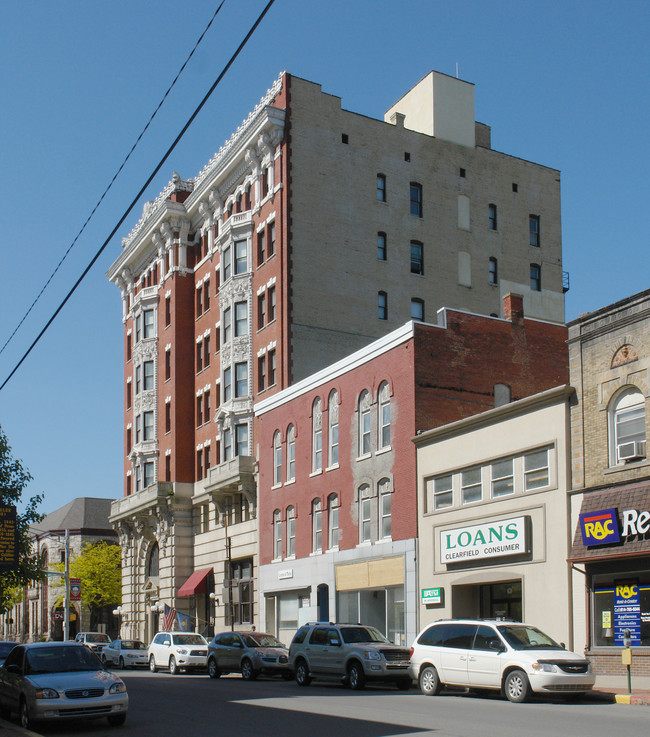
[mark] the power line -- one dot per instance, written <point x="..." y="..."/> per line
<point x="115" y="176"/>
<point x="142" y="189"/>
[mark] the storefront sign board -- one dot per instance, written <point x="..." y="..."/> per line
<point x="495" y="539"/>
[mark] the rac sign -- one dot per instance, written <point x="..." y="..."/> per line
<point x="599" y="528"/>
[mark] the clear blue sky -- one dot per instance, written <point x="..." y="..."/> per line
<point x="563" y="84"/>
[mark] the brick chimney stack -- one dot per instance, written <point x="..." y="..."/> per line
<point x="513" y="308"/>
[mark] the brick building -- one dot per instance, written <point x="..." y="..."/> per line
<point x="312" y="232"/>
<point x="610" y="502"/>
<point x="337" y="467"/>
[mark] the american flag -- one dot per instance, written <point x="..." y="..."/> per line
<point x="169" y="617"/>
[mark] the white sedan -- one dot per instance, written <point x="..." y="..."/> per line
<point x="125" y="653"/>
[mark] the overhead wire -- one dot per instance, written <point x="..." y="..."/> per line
<point x="142" y="190"/>
<point x="115" y="176"/>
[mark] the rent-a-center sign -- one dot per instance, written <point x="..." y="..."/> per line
<point x="493" y="540"/>
<point x="601" y="527"/>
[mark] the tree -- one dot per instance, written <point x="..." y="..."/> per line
<point x="98" y="567"/>
<point x="13" y="480"/>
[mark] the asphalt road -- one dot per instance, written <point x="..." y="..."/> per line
<point x="196" y="706"/>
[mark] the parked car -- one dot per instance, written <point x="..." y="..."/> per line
<point x="248" y="653"/>
<point x="516" y="658"/>
<point x="125" y="653"/>
<point x="178" y="650"/>
<point x="349" y="653"/>
<point x="6" y="646"/>
<point x="60" y="681"/>
<point x="94" y="640"/>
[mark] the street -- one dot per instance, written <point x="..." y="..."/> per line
<point x="194" y="705"/>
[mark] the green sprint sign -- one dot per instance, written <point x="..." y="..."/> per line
<point x="496" y="539"/>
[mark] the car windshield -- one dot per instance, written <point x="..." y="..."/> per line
<point x="133" y="645"/>
<point x="362" y="634"/>
<point x="189" y="640"/>
<point x="522" y="637"/>
<point x="61" y="660"/>
<point x="97" y="637"/>
<point x="261" y="640"/>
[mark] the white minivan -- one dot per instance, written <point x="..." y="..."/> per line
<point x="510" y="656"/>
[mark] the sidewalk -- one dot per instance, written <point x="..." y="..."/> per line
<point x="615" y="688"/>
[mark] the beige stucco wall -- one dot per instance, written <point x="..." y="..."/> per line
<point x="545" y="577"/>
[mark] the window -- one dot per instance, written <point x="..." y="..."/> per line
<point x="333" y="435"/>
<point x="271" y="296"/>
<point x="129" y="441"/>
<point x="383" y="417"/>
<point x="138" y="380"/>
<point x="241" y="379"/>
<point x="261" y="372"/>
<point x="344" y="138"/>
<point x="277" y="459"/>
<point x="385" y="498"/>
<point x="227" y="384"/>
<point x="381" y="187"/>
<point x="168" y="311"/>
<point x="129" y="349"/>
<point x="128" y="395"/>
<point x="261" y="247"/>
<point x="365" y="516"/>
<point x="333" y="532"/>
<point x="317" y="436"/>
<point x="199" y="464"/>
<point x="382" y="306"/>
<point x="241" y="318"/>
<point x="291" y="532"/>
<point x="277" y="535"/>
<point x="492" y="217"/>
<point x="364" y="423"/>
<point x="381" y="246"/>
<point x="241" y="576"/>
<point x="199" y="301"/>
<point x="206" y="294"/>
<point x="261" y="310"/>
<point x="533" y="227"/>
<point x="168" y="417"/>
<point x="627" y="426"/>
<point x="503" y="478"/>
<point x="271" y="367"/>
<point x="226" y="263"/>
<point x="291" y="453"/>
<point x="241" y="261"/>
<point x="416" y="199"/>
<point x="241" y="440"/>
<point x="317" y="526"/>
<point x="168" y="364"/>
<point x="417" y="258"/>
<point x="206" y="351"/>
<point x="493" y="271"/>
<point x="206" y="406"/>
<point x="536" y="470"/>
<point x="148" y="326"/>
<point x="443" y="494"/>
<point x="227" y="324"/>
<point x="227" y="444"/>
<point x="417" y="309"/>
<point x="471" y="488"/>
<point x="271" y="238"/>
<point x="199" y="411"/>
<point x="147" y="418"/>
<point x="138" y="428"/>
<point x="536" y="277"/>
<point x="148" y="473"/>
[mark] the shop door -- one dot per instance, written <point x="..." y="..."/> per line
<point x="502" y="601"/>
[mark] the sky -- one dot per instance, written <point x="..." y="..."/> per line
<point x="564" y="84"/>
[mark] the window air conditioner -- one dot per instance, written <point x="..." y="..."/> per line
<point x="631" y="451"/>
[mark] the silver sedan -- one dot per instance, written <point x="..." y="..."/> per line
<point x="60" y="681"/>
<point x="125" y="653"/>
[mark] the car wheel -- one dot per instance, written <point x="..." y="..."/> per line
<point x="247" y="671"/>
<point x="152" y="664"/>
<point x="213" y="670"/>
<point x="429" y="681"/>
<point x="356" y="677"/>
<point x="120" y="663"/>
<point x="104" y="661"/>
<point x="302" y="673"/>
<point x="116" y="720"/>
<point x="404" y="684"/>
<point x="173" y="666"/>
<point x="25" y="719"/>
<point x="517" y="687"/>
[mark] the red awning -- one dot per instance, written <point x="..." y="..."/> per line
<point x="196" y="583"/>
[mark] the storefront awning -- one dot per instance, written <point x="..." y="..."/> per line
<point x="196" y="583"/>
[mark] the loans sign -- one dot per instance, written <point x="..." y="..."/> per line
<point x="493" y="540"/>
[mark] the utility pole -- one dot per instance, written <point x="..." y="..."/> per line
<point x="66" y="599"/>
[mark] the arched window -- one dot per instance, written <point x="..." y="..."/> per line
<point x="277" y="534"/>
<point x="153" y="561"/>
<point x="364" y="423"/>
<point x="333" y="435"/>
<point x="291" y="532"/>
<point x="317" y="526"/>
<point x="317" y="436"/>
<point x="277" y="459"/>
<point x="333" y="521"/>
<point x="383" y="416"/>
<point x="627" y="426"/>
<point x="291" y="453"/>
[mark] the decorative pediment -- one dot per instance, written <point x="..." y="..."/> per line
<point x="625" y="354"/>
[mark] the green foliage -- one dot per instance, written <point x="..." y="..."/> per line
<point x="13" y="479"/>
<point x="99" y="568"/>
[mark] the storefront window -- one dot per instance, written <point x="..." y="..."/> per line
<point x="621" y="603"/>
<point x="380" y="608"/>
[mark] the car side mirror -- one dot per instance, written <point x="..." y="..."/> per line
<point x="498" y="646"/>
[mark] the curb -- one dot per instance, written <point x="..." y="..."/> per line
<point x="634" y="699"/>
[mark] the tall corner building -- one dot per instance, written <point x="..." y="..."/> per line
<point x="312" y="232"/>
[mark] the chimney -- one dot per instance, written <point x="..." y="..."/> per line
<point x="513" y="308"/>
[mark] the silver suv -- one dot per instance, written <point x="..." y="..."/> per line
<point x="96" y="641"/>
<point x="349" y="653"/>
